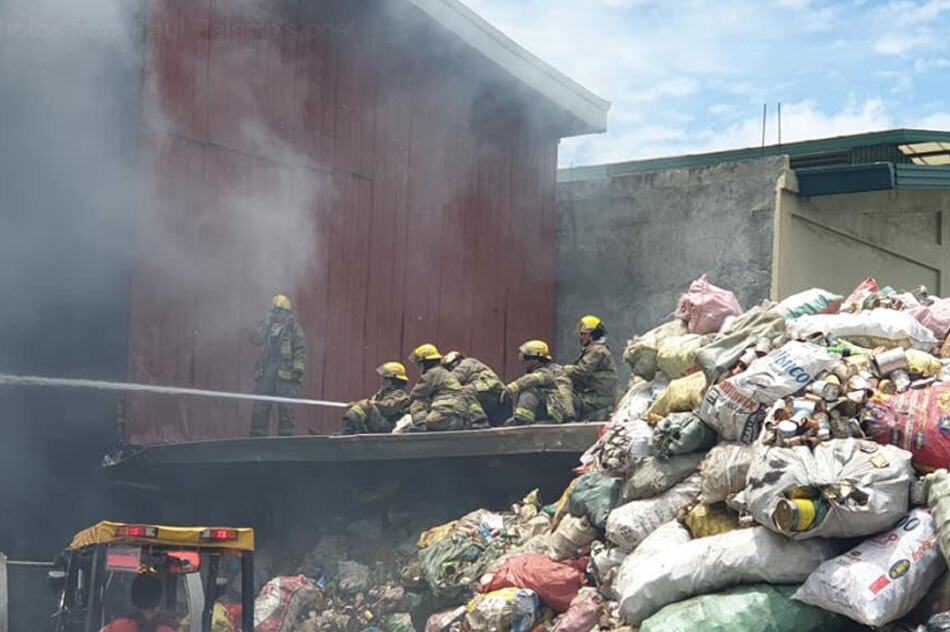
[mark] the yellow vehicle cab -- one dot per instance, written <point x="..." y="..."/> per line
<point x="196" y="568"/>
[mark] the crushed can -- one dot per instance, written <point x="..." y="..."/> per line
<point x="786" y="430"/>
<point x="857" y="383"/>
<point x="799" y="514"/>
<point x="825" y="389"/>
<point x="901" y="380"/>
<point x="891" y="360"/>
<point x="804" y="405"/>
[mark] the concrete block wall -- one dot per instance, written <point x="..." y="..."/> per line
<point x="628" y="246"/>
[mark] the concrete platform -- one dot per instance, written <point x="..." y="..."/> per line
<point x="572" y="438"/>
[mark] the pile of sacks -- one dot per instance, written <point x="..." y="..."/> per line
<point x="773" y="469"/>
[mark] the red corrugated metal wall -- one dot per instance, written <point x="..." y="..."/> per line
<point x="303" y="148"/>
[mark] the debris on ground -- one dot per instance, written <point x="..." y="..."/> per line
<point x="782" y="468"/>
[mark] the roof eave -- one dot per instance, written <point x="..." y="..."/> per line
<point x="588" y="110"/>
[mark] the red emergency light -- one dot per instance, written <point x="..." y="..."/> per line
<point x="137" y="531"/>
<point x="219" y="535"/>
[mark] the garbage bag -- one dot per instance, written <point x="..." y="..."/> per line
<point x="556" y="583"/>
<point x="640" y="354"/>
<point x="505" y="610"/>
<point x="635" y="402"/>
<point x="442" y="621"/>
<point x="353" y="577"/>
<point x="938" y="497"/>
<point x="704" y="521"/>
<point x="873" y="328"/>
<point x="583" y="614"/>
<point x="759" y="608"/>
<point x="813" y="301"/>
<point x="935" y="317"/>
<point x="881" y="579"/>
<point x="282" y="601"/>
<point x="855" y="300"/>
<point x="400" y="622"/>
<point x="725" y="471"/>
<point x="436" y="534"/>
<point x="681" y="433"/>
<point x="705" y="307"/>
<point x="452" y="567"/>
<point x="664" y="538"/>
<point x="862" y="487"/>
<point x="653" y="476"/>
<point x="921" y="363"/>
<point x="629" y="524"/>
<point x="736" y="407"/>
<point x="621" y="446"/>
<point x="916" y="420"/>
<point x="743" y="556"/>
<point x="722" y="354"/>
<point x="604" y="563"/>
<point x="677" y="355"/>
<point x="572" y="538"/>
<point x="938" y="623"/>
<point x="594" y="496"/>
<point x="681" y="396"/>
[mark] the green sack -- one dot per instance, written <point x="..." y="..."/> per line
<point x="400" y="622"/>
<point x="682" y="433"/>
<point x="755" y="608"/>
<point x="595" y="495"/>
<point x="453" y="566"/>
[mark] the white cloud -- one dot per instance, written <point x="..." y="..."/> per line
<point x="684" y="78"/>
<point x="797" y="5"/>
<point x="936" y="121"/>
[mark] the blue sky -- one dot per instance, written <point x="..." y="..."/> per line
<point x="690" y="76"/>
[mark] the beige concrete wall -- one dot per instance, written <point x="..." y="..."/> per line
<point x="902" y="238"/>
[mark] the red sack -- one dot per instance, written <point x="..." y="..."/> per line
<point x="583" y="614"/>
<point x="917" y="421"/>
<point x="556" y="583"/>
<point x="705" y="307"/>
<point x="856" y="299"/>
<point x="281" y="601"/>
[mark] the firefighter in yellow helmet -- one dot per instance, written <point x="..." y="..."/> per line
<point x="543" y="393"/>
<point x="594" y="374"/>
<point x="379" y="413"/>
<point x="480" y="381"/>
<point x="437" y="401"/>
<point x="280" y="366"/>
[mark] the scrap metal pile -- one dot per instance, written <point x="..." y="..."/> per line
<point x="774" y="469"/>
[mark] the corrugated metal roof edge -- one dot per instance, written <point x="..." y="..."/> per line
<point x="837" y="143"/>
<point x="589" y="109"/>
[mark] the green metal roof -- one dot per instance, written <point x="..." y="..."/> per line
<point x="864" y="148"/>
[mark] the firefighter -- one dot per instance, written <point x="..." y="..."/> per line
<point x="479" y="380"/>
<point x="594" y="375"/>
<point x="280" y="366"/>
<point x="437" y="401"/>
<point x="146" y="597"/>
<point x="543" y="393"/>
<point x="380" y="412"/>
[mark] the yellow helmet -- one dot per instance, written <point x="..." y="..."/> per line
<point x="535" y="349"/>
<point x="451" y="358"/>
<point x="424" y="352"/>
<point x="587" y="324"/>
<point x="282" y="301"/>
<point x="393" y="370"/>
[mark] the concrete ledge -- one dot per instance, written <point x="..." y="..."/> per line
<point x="565" y="438"/>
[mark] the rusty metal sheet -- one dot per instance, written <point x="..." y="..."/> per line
<point x="409" y="213"/>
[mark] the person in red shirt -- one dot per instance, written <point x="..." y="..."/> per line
<point x="146" y="596"/>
